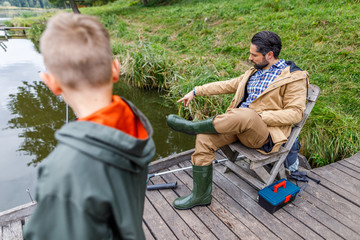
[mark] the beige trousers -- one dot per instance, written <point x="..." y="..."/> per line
<point x="241" y="124"/>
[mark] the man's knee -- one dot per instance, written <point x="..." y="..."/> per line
<point x="205" y="141"/>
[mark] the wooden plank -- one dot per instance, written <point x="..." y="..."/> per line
<point x="295" y="224"/>
<point x="13" y="231"/>
<point x="283" y="216"/>
<point x="313" y="93"/>
<point x="148" y="235"/>
<point x="310" y="222"/>
<point x="312" y="96"/>
<point x="352" y="161"/>
<point x="287" y="219"/>
<point x="346" y="170"/>
<point x="279" y="164"/>
<point x="328" y="209"/>
<point x="229" y="183"/>
<point x="262" y="173"/>
<point x="355" y="159"/>
<point x="242" y="215"/>
<point x="219" y="229"/>
<point x="246" y="176"/>
<point x="308" y="109"/>
<point x="19" y="212"/>
<point x="253" y="154"/>
<point x="168" y="213"/>
<point x="349" y="165"/>
<point x="249" y="222"/>
<point x="227" y="215"/>
<point x="334" y="197"/>
<point x="230" y="154"/>
<point x="13" y="28"/>
<point x="200" y="229"/>
<point x="265" y="162"/>
<point x="170" y="161"/>
<point x="282" y="173"/>
<point x="26" y="219"/>
<point x="340" y="179"/>
<point x="157" y="225"/>
<point x="328" y="221"/>
<point x="231" y="221"/>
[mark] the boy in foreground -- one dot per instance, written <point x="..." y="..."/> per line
<point x="92" y="186"/>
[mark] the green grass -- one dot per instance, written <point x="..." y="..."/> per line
<point x="175" y="45"/>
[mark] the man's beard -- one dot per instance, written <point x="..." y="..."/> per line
<point x="260" y="65"/>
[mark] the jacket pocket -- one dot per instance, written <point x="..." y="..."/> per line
<point x="277" y="134"/>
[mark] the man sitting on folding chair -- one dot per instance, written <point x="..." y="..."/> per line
<point x="269" y="98"/>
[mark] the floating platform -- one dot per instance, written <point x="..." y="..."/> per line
<point x="329" y="210"/>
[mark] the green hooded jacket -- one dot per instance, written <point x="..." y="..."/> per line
<point x="92" y="186"/>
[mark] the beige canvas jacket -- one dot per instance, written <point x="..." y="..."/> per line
<point x="281" y="105"/>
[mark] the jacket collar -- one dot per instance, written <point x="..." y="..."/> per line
<point x="293" y="66"/>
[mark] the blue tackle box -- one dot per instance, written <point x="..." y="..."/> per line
<point x="278" y="194"/>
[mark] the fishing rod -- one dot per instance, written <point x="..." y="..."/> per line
<point x="174" y="185"/>
<point x="28" y="191"/>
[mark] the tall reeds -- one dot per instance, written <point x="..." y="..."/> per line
<point x="145" y="66"/>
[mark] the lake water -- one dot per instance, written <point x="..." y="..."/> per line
<point x="30" y="114"/>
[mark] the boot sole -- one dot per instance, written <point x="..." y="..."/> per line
<point x="197" y="205"/>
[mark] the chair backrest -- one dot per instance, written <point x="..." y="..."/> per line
<point x="312" y="96"/>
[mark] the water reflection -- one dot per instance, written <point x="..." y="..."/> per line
<point x="39" y="113"/>
<point x="156" y="109"/>
<point x="30" y="114"/>
<point x="18" y="64"/>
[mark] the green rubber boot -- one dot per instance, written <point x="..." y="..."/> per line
<point x="201" y="193"/>
<point x="181" y="125"/>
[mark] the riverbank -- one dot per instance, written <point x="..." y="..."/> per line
<point x="177" y="44"/>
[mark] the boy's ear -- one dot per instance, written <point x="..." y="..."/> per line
<point x="115" y="68"/>
<point x="51" y="82"/>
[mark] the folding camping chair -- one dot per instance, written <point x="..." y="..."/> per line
<point x="260" y="170"/>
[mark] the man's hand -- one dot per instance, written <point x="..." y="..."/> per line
<point x="187" y="98"/>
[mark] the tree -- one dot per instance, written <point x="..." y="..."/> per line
<point x="41" y="3"/>
<point x="74" y="6"/>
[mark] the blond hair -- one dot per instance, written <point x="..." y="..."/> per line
<point x="76" y="50"/>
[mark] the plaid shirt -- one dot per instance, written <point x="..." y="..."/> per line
<point x="260" y="80"/>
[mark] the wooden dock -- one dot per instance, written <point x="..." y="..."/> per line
<point x="329" y="210"/>
<point x="8" y="32"/>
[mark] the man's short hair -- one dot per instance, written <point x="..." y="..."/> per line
<point x="267" y="41"/>
<point x="76" y="50"/>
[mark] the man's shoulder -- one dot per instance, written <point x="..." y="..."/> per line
<point x="294" y="71"/>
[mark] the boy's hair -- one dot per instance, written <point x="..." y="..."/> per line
<point x="76" y="50"/>
<point x="267" y="41"/>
